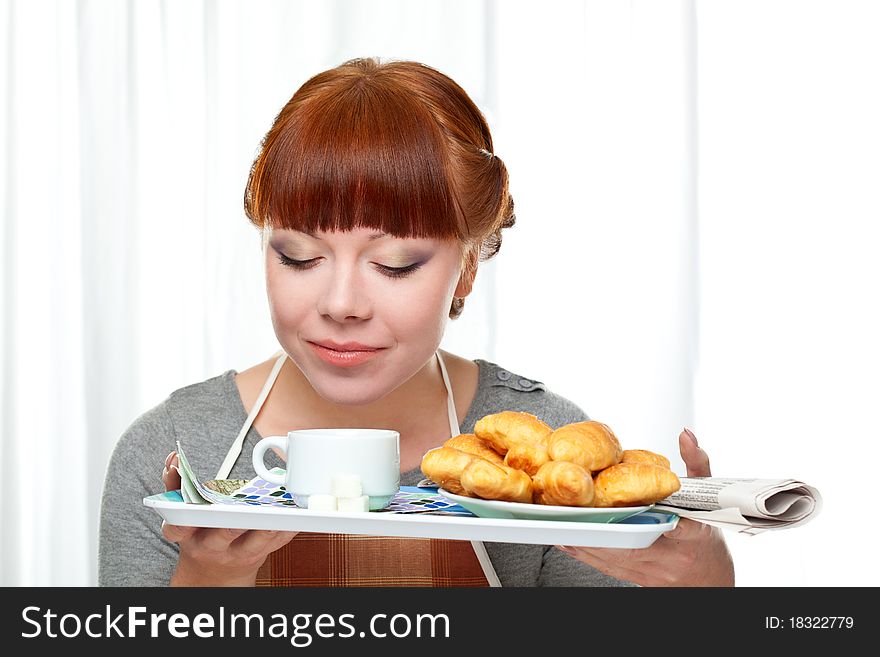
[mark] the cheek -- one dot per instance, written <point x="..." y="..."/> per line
<point x="417" y="309"/>
<point x="288" y="302"/>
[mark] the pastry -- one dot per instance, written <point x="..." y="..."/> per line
<point x="592" y="445"/>
<point x="633" y="484"/>
<point x="508" y="427"/>
<point x="496" y="482"/>
<point x="644" y="456"/>
<point x="513" y="456"/>
<point x="444" y="465"/>
<point x="562" y="483"/>
<point x="527" y="457"/>
<point x="468" y="442"/>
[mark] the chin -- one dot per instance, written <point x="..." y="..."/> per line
<point x="353" y="393"/>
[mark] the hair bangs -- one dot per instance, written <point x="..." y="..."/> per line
<point x="368" y="157"/>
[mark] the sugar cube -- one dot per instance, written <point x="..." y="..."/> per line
<point x="354" y="504"/>
<point x="322" y="502"/>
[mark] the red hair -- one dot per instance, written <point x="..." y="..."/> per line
<point x="398" y="147"/>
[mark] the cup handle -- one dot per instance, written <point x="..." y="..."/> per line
<point x="259" y="455"/>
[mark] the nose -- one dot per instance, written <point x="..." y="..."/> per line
<point x="344" y="297"/>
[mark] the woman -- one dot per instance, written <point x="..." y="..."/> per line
<point x="377" y="193"/>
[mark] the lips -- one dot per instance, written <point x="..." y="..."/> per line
<point x="345" y="346"/>
<point x="344" y="354"/>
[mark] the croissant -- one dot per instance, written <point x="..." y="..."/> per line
<point x="644" y="456"/>
<point x="496" y="482"/>
<point x="562" y="483"/>
<point x="444" y="465"/>
<point x="633" y="484"/>
<point x="504" y="429"/>
<point x="592" y="445"/>
<point x="527" y="457"/>
<point x="468" y="442"/>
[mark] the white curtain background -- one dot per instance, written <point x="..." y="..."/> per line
<point x="697" y="202"/>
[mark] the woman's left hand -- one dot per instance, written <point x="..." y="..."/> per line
<point x="692" y="554"/>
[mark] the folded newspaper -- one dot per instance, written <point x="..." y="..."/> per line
<point x="749" y="506"/>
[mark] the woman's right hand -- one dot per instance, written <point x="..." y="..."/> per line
<point x="217" y="557"/>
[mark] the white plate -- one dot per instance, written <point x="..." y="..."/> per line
<point x="639" y="531"/>
<point x="522" y="511"/>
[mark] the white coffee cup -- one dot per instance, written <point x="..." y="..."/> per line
<point x="315" y="456"/>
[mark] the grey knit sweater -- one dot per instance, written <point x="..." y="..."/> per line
<point x="206" y="417"/>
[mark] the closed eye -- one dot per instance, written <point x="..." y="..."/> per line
<point x="391" y="272"/>
<point x="399" y="272"/>
<point x="296" y="264"/>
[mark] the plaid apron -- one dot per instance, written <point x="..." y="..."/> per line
<point x="314" y="559"/>
<point x="347" y="560"/>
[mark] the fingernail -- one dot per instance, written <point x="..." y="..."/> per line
<point x="565" y="548"/>
<point x="168" y="458"/>
<point x="691" y="434"/>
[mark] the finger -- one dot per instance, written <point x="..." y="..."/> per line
<point x="280" y="541"/>
<point x="619" y="556"/>
<point x="171" y="475"/>
<point x="171" y="479"/>
<point x="177" y="533"/>
<point x="605" y="554"/>
<point x="610" y="568"/>
<point x="219" y="540"/>
<point x="695" y="459"/>
<point x="686" y="529"/>
<point x="587" y="556"/>
<point x="263" y="542"/>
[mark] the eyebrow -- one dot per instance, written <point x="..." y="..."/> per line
<point x="374" y="236"/>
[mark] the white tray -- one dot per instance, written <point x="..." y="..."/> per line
<point x="638" y="531"/>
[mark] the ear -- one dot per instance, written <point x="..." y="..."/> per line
<point x="468" y="274"/>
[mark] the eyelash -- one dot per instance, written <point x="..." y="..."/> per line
<point x="391" y="272"/>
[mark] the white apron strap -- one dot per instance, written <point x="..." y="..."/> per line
<point x="454" y="430"/>
<point x="235" y="448"/>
